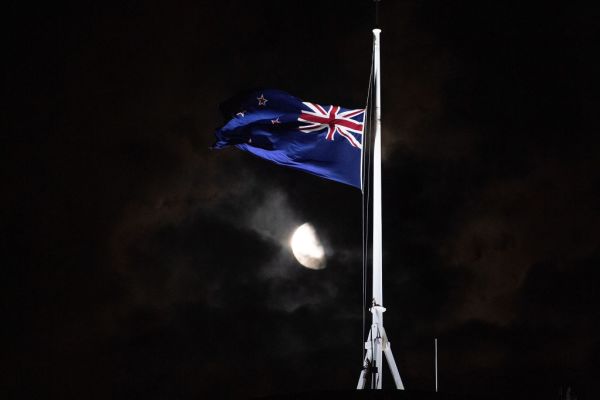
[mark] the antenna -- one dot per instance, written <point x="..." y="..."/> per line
<point x="436" y="365"/>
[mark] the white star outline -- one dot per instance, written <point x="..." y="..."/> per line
<point x="262" y="101"/>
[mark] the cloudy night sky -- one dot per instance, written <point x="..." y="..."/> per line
<point x="141" y="264"/>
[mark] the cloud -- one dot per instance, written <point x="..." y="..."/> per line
<point x="515" y="224"/>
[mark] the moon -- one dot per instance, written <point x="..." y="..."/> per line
<point x="307" y="248"/>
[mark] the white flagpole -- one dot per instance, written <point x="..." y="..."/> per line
<point x="377" y="344"/>
<point x="377" y="231"/>
<point x="377" y="308"/>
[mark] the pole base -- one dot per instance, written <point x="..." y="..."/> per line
<point x="377" y="346"/>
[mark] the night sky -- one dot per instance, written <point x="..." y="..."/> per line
<point x="141" y="264"/>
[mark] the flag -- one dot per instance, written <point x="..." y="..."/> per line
<point x="324" y="140"/>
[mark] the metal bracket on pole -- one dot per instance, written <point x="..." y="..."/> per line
<point x="377" y="346"/>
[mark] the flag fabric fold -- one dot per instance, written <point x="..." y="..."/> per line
<point x="324" y="140"/>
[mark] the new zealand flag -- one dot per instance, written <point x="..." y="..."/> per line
<point x="323" y="140"/>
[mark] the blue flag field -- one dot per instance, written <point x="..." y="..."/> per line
<point x="324" y="140"/>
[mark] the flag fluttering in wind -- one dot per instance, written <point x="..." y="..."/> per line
<point x="324" y="140"/>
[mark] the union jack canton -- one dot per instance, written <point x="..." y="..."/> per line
<point x="334" y="121"/>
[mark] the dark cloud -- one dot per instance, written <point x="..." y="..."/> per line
<point x="141" y="263"/>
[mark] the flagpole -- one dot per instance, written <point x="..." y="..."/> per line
<point x="377" y="212"/>
<point x="377" y="344"/>
<point x="377" y="308"/>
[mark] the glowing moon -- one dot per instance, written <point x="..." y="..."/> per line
<point x="306" y="247"/>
